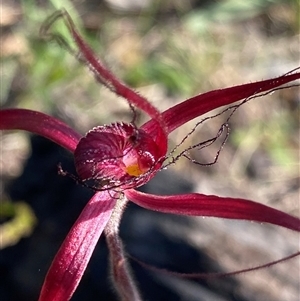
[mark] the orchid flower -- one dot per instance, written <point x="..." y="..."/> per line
<point x="117" y="158"/>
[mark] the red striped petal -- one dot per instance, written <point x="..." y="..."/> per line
<point x="203" y="103"/>
<point x="41" y="124"/>
<point x="210" y="205"/>
<point x="74" y="254"/>
<point x="106" y="77"/>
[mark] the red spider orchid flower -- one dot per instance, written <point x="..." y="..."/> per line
<point x="115" y="159"/>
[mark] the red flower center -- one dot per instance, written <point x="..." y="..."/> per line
<point x="117" y="155"/>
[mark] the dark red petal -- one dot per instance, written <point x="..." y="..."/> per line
<point x="106" y="77"/>
<point x="209" y="205"/>
<point x="41" y="124"/>
<point x="203" y="103"/>
<point x="74" y="254"/>
<point x="117" y="155"/>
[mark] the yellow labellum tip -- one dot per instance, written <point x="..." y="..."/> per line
<point x="134" y="170"/>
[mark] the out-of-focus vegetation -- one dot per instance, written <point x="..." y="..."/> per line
<point x="17" y="221"/>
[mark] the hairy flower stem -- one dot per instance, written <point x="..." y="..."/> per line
<point x="121" y="274"/>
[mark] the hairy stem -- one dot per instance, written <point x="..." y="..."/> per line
<point x="121" y="274"/>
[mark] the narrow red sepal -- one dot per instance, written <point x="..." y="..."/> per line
<point x="203" y="103"/>
<point x="210" y="205"/>
<point x="41" y="124"/>
<point x="74" y="254"/>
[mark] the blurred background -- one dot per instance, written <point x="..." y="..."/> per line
<point x="168" y="51"/>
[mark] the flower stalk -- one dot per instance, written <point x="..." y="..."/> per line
<point x="120" y="271"/>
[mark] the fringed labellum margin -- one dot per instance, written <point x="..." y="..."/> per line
<point x="118" y="155"/>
